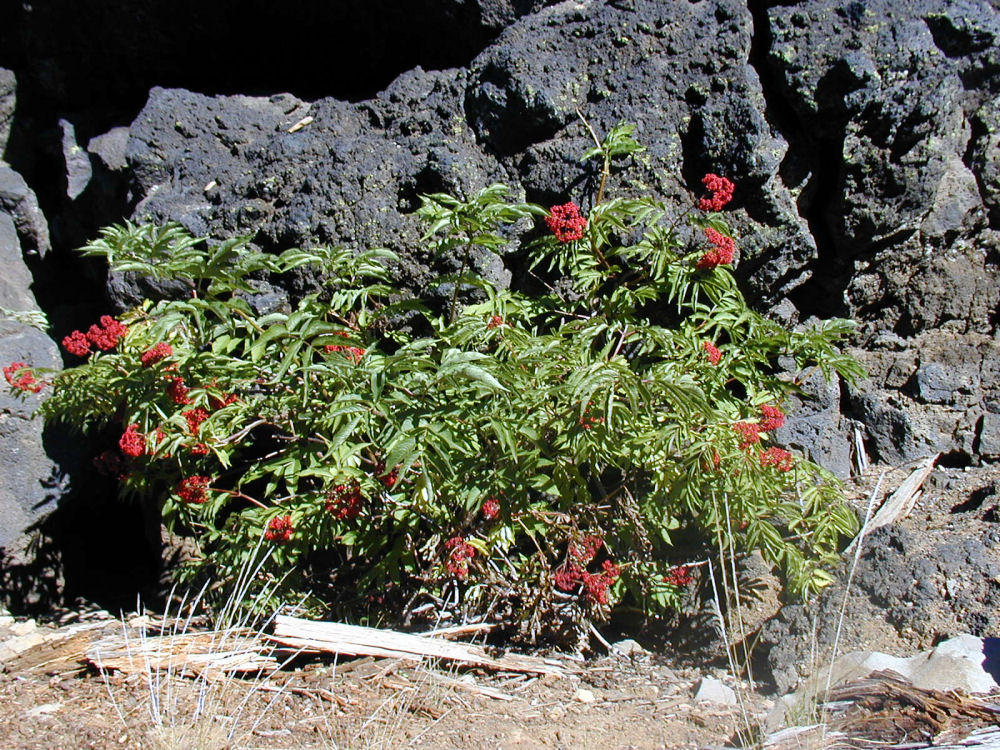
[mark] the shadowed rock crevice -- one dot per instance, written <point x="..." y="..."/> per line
<point x="809" y="169"/>
<point x="111" y="53"/>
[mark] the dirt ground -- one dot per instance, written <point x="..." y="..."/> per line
<point x="615" y="702"/>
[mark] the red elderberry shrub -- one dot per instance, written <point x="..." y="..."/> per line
<point x="495" y="322"/>
<point x="460" y="552"/>
<point x="279" y="529"/>
<point x="779" y="458"/>
<point x="568" y="577"/>
<point x="749" y="434"/>
<point x="77" y="343"/>
<point x="193" y="489"/>
<point x="565" y="222"/>
<point x="178" y="392"/>
<point x="220" y="402"/>
<point x="721" y="189"/>
<point x="345" y="501"/>
<point x="353" y="353"/>
<point x="194" y="417"/>
<point x="389" y="479"/>
<point x="771" y="418"/>
<point x="199" y="449"/>
<point x="157" y="354"/>
<point x="491" y="508"/>
<point x="26" y="381"/>
<point x="585" y="551"/>
<point x="587" y="421"/>
<point x="106" y="335"/>
<point x="679" y="576"/>
<point x="132" y="443"/>
<point x="722" y="252"/>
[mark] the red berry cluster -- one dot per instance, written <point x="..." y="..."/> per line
<point x="596" y="586"/>
<point x="749" y="434"/>
<point x="388" y="479"/>
<point x="721" y="189"/>
<point x="714" y="355"/>
<point x="679" y="576"/>
<point x="722" y="252"/>
<point x="220" y="402"/>
<point x="495" y="322"/>
<point x="178" y="391"/>
<point x="20" y="377"/>
<point x="279" y="529"/>
<point x="157" y="354"/>
<point x="353" y="353"/>
<point x="459" y="554"/>
<point x="779" y="458"/>
<point x="491" y="508"/>
<point x="194" y="417"/>
<point x="771" y="418"/>
<point x="565" y="222"/>
<point x="193" y="489"/>
<point x="345" y="500"/>
<point x="132" y="442"/>
<point x="573" y="573"/>
<point x="104" y="336"/>
<point x="587" y="421"/>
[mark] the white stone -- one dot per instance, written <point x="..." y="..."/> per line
<point x="712" y="690"/>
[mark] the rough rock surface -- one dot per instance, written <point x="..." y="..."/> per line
<point x="864" y="138"/>
<point x="931" y="576"/>
<point x="860" y="136"/>
<point x="8" y="101"/>
<point x="31" y="483"/>
<point x="20" y="203"/>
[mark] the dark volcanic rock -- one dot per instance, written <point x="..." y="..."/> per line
<point x="20" y="203"/>
<point x="929" y="577"/>
<point x="935" y="397"/>
<point x="31" y="482"/>
<point x="888" y="95"/>
<point x="229" y="164"/>
<point x="8" y="101"/>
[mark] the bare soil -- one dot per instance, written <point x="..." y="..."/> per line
<point x="622" y="702"/>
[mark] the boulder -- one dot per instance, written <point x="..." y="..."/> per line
<point x="32" y="482"/>
<point x="891" y="96"/>
<point x="863" y="138"/>
<point x="20" y="203"/>
<point x="929" y="575"/>
<point x="8" y="102"/>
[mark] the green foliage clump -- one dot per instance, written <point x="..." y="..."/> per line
<point x="532" y="460"/>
